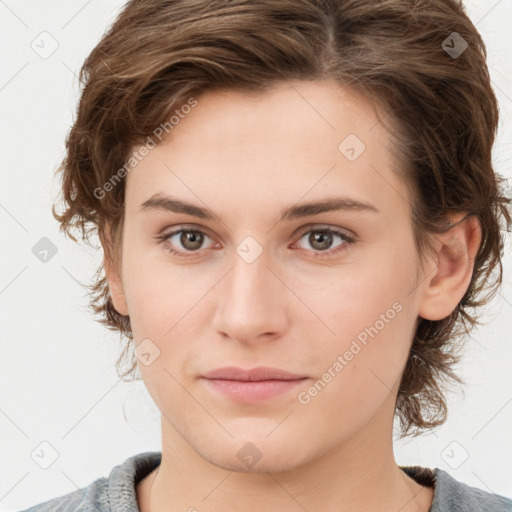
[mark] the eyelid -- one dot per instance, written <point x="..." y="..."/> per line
<point x="303" y="229"/>
<point x="328" y="227"/>
<point x="167" y="232"/>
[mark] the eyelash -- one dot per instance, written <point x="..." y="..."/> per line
<point x="349" y="240"/>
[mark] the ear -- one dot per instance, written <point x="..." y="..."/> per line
<point x="113" y="275"/>
<point x="455" y="254"/>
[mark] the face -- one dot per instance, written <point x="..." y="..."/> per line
<point x="328" y="294"/>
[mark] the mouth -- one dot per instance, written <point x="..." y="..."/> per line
<point x="252" y="385"/>
<point x="252" y="391"/>
<point x="252" y="374"/>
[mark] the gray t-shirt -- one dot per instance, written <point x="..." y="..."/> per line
<point x="117" y="492"/>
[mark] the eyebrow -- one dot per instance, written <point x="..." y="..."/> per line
<point x="167" y="203"/>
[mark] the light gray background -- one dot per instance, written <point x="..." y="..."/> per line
<point x="59" y="385"/>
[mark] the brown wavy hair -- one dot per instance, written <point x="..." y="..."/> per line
<point x="442" y="112"/>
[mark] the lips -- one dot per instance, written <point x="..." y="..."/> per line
<point x="252" y="385"/>
<point x="252" y="375"/>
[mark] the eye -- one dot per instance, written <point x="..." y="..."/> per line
<point x="190" y="240"/>
<point x="321" y="240"/>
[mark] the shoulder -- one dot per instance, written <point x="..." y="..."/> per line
<point x="458" y="496"/>
<point x="113" y="494"/>
<point x="92" y="497"/>
<point x="451" y="495"/>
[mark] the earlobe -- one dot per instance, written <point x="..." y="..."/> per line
<point x="453" y="270"/>
<point x="115" y="288"/>
<point x="114" y="281"/>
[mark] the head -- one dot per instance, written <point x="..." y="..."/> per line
<point x="258" y="109"/>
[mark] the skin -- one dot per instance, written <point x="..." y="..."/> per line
<point x="245" y="158"/>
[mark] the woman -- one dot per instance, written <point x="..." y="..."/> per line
<point x="298" y="208"/>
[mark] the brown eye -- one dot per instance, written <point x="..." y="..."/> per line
<point x="322" y="240"/>
<point x="191" y="240"/>
<point x="183" y="241"/>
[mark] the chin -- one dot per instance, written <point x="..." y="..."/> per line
<point x="277" y="463"/>
<point x="254" y="454"/>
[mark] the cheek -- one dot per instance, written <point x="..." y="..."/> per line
<point x="367" y="320"/>
<point x="166" y="306"/>
<point x="157" y="294"/>
<point x="353" y="300"/>
<point x="360" y="368"/>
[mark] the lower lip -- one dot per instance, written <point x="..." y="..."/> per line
<point x="254" y="391"/>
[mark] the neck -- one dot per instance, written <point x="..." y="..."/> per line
<point x="358" y="474"/>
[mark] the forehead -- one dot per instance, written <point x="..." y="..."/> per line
<point x="300" y="139"/>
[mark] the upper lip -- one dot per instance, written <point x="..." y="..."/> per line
<point x="252" y="374"/>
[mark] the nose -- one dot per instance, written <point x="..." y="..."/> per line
<point x="253" y="303"/>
